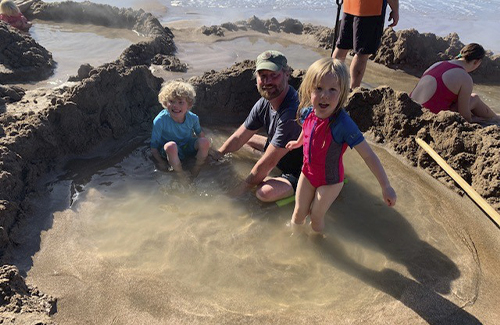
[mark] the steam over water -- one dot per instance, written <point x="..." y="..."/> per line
<point x="140" y="247"/>
<point x="474" y="21"/>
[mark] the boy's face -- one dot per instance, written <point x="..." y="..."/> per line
<point x="177" y="107"/>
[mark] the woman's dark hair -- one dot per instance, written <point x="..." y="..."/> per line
<point x="472" y="51"/>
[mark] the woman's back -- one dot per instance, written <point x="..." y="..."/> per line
<point x="440" y="85"/>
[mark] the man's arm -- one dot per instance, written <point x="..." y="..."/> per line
<point x="234" y="142"/>
<point x="265" y="164"/>
<point x="394" y="14"/>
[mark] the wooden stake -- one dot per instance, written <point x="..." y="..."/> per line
<point x="465" y="186"/>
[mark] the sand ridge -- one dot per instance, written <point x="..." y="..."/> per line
<point x="117" y="98"/>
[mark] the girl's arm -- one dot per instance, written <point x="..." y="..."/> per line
<point x="294" y="144"/>
<point x="372" y="161"/>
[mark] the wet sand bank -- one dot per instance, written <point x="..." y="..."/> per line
<point x="101" y="107"/>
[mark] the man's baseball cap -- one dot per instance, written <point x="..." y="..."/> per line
<point x="271" y="60"/>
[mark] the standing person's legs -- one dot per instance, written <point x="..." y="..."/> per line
<point x="340" y="54"/>
<point x="358" y="67"/>
<point x="345" y="40"/>
<point x="323" y="199"/>
<point x="367" y="33"/>
<point x="305" y="195"/>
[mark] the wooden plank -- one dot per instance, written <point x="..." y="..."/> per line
<point x="488" y="209"/>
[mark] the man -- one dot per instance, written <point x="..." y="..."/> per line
<point x="275" y="112"/>
<point x="361" y="29"/>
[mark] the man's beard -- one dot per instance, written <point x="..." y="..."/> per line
<point x="271" y="92"/>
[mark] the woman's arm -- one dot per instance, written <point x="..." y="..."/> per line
<point x="463" y="101"/>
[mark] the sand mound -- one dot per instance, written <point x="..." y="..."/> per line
<point x="407" y="50"/>
<point x="22" y="59"/>
<point x="20" y="303"/>
<point x="121" y="97"/>
<point x="472" y="150"/>
<point x="414" y="53"/>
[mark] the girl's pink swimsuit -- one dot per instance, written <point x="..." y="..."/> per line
<point x="443" y="98"/>
<point x="325" y="144"/>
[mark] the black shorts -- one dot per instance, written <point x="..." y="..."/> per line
<point x="292" y="179"/>
<point x="362" y="34"/>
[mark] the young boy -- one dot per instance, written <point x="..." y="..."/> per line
<point x="174" y="129"/>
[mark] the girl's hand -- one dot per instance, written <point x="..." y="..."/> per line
<point x="292" y="145"/>
<point x="389" y="196"/>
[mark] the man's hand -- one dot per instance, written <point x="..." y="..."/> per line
<point x="215" y="154"/>
<point x="241" y="189"/>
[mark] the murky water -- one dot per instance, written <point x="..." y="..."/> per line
<point x="72" y="45"/>
<point x="117" y="242"/>
<point x="66" y="42"/>
<point x="140" y="247"/>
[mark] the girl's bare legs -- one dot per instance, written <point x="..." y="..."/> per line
<point x="303" y="198"/>
<point x="323" y="199"/>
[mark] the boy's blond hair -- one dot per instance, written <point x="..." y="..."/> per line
<point x="9" y="8"/>
<point x="318" y="70"/>
<point x="177" y="89"/>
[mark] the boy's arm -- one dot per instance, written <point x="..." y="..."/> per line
<point x="372" y="161"/>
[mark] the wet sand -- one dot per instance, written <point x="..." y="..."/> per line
<point x="136" y="247"/>
<point x="432" y="259"/>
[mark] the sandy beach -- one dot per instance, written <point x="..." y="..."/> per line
<point x="91" y="234"/>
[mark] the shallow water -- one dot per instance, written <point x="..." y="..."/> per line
<point x="474" y="21"/>
<point x="66" y="41"/>
<point x="72" y="45"/>
<point x="123" y="243"/>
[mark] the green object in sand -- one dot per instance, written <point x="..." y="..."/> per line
<point x="290" y="199"/>
<point x="285" y="201"/>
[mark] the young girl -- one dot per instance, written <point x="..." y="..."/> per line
<point x="327" y="130"/>
<point x="11" y="14"/>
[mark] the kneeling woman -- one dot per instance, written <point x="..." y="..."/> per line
<point x="447" y="85"/>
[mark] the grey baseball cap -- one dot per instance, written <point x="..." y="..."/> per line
<point x="271" y="60"/>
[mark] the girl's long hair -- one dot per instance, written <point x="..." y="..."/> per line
<point x="314" y="73"/>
